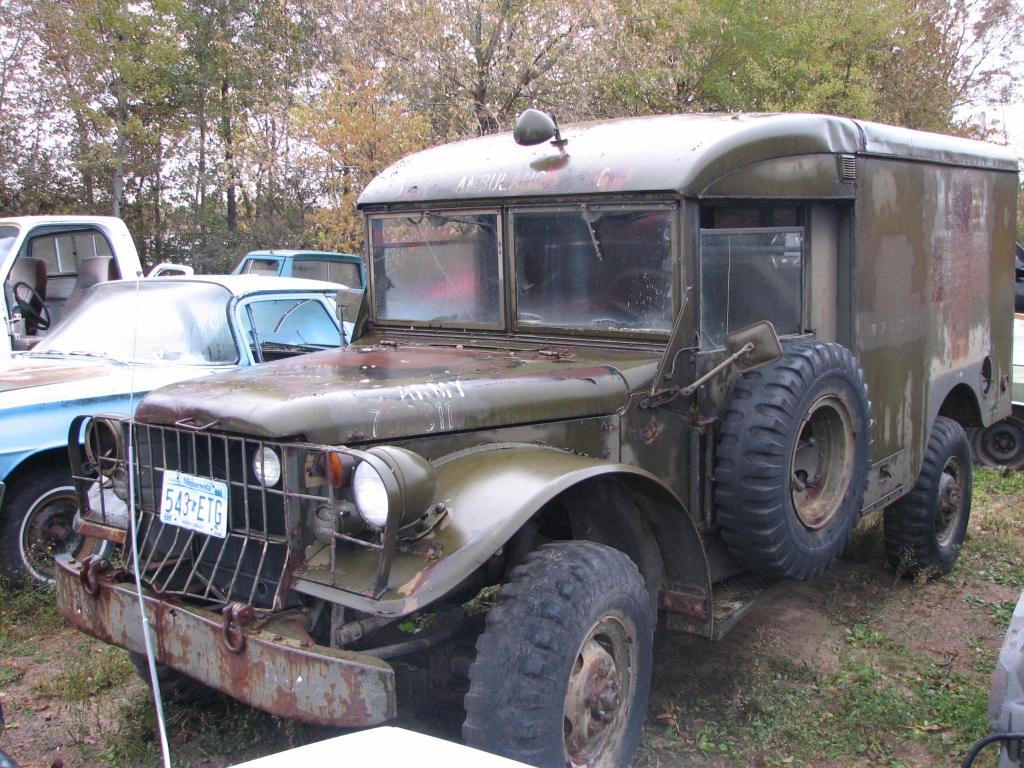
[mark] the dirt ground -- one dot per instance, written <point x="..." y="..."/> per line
<point x="855" y="668"/>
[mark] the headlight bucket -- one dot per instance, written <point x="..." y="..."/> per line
<point x="408" y="480"/>
<point x="104" y="444"/>
<point x="266" y="467"/>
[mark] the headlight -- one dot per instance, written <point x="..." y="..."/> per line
<point x="266" y="466"/>
<point x="371" y="495"/>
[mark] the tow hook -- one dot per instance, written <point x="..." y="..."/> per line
<point x="92" y="567"/>
<point x="231" y="632"/>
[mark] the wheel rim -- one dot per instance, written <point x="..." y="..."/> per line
<point x="950" y="501"/>
<point x="822" y="462"/>
<point x="599" y="692"/>
<point x="1003" y="442"/>
<point x="46" y="531"/>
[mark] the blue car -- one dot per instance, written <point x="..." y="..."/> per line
<point x="131" y="337"/>
<point x="341" y="268"/>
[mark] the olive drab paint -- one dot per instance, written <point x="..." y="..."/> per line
<point x="896" y="244"/>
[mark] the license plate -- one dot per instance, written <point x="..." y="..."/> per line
<point x="195" y="503"/>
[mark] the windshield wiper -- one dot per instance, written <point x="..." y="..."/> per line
<point x="285" y="315"/>
<point x="593" y="234"/>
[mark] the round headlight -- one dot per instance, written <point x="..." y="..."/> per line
<point x="371" y="495"/>
<point x="266" y="466"/>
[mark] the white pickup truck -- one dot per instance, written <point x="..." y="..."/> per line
<point x="48" y="262"/>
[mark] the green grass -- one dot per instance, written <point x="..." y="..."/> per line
<point x="887" y="700"/>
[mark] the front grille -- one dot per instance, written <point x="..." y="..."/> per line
<point x="250" y="564"/>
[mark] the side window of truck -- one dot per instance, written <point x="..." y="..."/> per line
<point x="751" y="269"/>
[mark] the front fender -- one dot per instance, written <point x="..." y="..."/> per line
<point x="490" y="492"/>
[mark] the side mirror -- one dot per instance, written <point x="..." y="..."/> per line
<point x="749" y="348"/>
<point x="766" y="349"/>
<point x="535" y="127"/>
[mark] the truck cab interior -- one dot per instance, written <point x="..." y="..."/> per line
<point x="50" y="275"/>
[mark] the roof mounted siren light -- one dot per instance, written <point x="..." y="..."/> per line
<point x="534" y="127"/>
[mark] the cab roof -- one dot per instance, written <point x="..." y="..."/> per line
<point x="317" y="255"/>
<point x="666" y="153"/>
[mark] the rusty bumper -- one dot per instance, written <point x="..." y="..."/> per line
<point x="280" y="674"/>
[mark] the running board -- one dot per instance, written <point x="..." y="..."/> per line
<point x="731" y="599"/>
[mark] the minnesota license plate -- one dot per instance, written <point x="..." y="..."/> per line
<point x="195" y="503"/>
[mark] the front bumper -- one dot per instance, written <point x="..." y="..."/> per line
<point x="275" y="670"/>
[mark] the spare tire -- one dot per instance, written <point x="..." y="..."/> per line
<point x="792" y="461"/>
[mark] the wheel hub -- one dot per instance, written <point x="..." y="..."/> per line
<point x="47" y="532"/>
<point x="599" y="679"/>
<point x="949" y="501"/>
<point x="822" y="462"/>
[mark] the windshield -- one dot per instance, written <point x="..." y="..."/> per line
<point x="182" y="323"/>
<point x="300" y="321"/>
<point x="8" y="234"/>
<point x="441" y="269"/>
<point x="594" y="268"/>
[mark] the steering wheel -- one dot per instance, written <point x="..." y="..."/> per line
<point x="41" y="318"/>
<point x="653" y="275"/>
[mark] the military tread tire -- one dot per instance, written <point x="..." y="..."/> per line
<point x="174" y="686"/>
<point x="573" y="609"/>
<point x="792" y="461"/>
<point x="925" y="529"/>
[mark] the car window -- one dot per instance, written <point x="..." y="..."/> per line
<point x="339" y="272"/>
<point x="437" y="268"/>
<point x="63" y="252"/>
<point x="8" y="234"/>
<point x="165" y="322"/>
<point x="594" y="269"/>
<point x="292" y="322"/>
<point x="749" y="275"/>
<point x="261" y="267"/>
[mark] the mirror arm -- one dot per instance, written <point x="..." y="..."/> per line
<point x="667" y="395"/>
<point x="689" y="389"/>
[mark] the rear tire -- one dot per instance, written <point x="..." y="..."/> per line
<point x="1000" y="445"/>
<point x="792" y="461"/>
<point x="925" y="529"/>
<point x="174" y="686"/>
<point x="563" y="669"/>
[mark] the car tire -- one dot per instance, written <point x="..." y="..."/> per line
<point x="804" y="418"/>
<point x="174" y="686"/>
<point x="925" y="529"/>
<point x="1001" y="444"/>
<point x="35" y="526"/>
<point x="563" y="668"/>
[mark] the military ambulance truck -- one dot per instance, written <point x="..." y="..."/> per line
<point x="626" y="375"/>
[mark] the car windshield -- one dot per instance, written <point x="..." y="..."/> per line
<point x="8" y="234"/>
<point x="298" y="321"/>
<point x="437" y="268"/>
<point x="183" y="323"/>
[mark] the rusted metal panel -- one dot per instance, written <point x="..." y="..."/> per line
<point x="273" y="670"/>
<point x="933" y="298"/>
<point x="351" y="396"/>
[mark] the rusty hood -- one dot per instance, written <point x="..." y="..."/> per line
<point x="369" y="393"/>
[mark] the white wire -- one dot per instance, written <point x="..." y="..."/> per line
<point x="150" y="657"/>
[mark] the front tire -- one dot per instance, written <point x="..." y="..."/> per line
<point x="36" y="526"/>
<point x="925" y="529"/>
<point x="563" y="669"/>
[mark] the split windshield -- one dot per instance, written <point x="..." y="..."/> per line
<point x="596" y="268"/>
